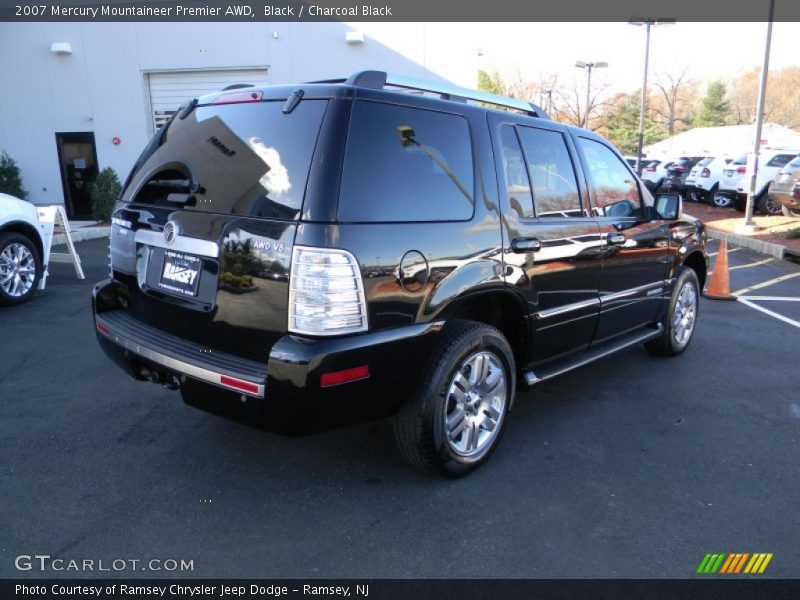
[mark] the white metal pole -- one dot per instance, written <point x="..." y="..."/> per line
<point x="643" y="106"/>
<point x="588" y="88"/>
<point x="748" y="224"/>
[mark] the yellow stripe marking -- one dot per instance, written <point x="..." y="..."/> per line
<point x="765" y="563"/>
<point x="728" y="561"/>
<point x="749" y="566"/>
<point x="741" y="563"/>
<point x="769" y="282"/>
<point x="761" y="558"/>
<point x="753" y="264"/>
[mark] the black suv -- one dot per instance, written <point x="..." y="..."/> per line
<point x="304" y="257"/>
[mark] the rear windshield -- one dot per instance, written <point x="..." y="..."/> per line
<point x="742" y="160"/>
<point x="706" y="161"/>
<point x="795" y="162"/>
<point x="405" y="164"/>
<point x="245" y="159"/>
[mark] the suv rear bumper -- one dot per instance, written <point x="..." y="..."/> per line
<point x="283" y="394"/>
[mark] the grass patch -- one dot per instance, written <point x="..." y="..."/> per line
<point x="793" y="234"/>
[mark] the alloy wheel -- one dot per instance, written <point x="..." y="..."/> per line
<point x="685" y="314"/>
<point x="17" y="270"/>
<point x="475" y="404"/>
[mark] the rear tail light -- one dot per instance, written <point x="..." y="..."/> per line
<point x="650" y="169"/>
<point x="679" y="168"/>
<point x="741" y="169"/>
<point x="326" y="294"/>
<point x="706" y="172"/>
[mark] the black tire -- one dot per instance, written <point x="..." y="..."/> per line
<point x="768" y="205"/>
<point x="8" y="240"/>
<point x="721" y="200"/>
<point x="420" y="428"/>
<point x="708" y="197"/>
<point x="695" y="195"/>
<point x="739" y="203"/>
<point x="667" y="343"/>
<point x="790" y="212"/>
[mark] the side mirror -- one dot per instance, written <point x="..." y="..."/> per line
<point x="669" y="206"/>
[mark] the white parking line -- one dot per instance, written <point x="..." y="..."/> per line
<point x="778" y="298"/>
<point x="769" y="312"/>
<point x="764" y="284"/>
<point x="753" y="264"/>
<point x="729" y="251"/>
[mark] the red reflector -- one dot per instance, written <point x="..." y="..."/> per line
<point x="238" y="384"/>
<point x="239" y="97"/>
<point x="102" y="328"/>
<point x="337" y="377"/>
<point x="741" y="169"/>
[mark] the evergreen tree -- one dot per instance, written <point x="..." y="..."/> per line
<point x="105" y="194"/>
<point x="715" y="108"/>
<point x="621" y="125"/>
<point x="10" y="178"/>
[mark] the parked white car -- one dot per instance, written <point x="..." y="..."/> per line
<point x="654" y="173"/>
<point x="703" y="180"/>
<point x="735" y="181"/>
<point x="21" y="250"/>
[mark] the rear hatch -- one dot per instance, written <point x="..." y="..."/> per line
<point x="734" y="171"/>
<point x="203" y="239"/>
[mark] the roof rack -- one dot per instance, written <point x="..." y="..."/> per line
<point x="379" y="79"/>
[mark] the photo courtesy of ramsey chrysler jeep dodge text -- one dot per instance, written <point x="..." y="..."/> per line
<point x="308" y="256"/>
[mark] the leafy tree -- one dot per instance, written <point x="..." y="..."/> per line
<point x="715" y="108"/>
<point x="490" y="83"/>
<point x="10" y="178"/>
<point x="105" y="194"/>
<point x="621" y="124"/>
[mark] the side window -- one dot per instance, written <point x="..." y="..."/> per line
<point x="518" y="187"/>
<point x="406" y="164"/>
<point x="616" y="192"/>
<point x="555" y="190"/>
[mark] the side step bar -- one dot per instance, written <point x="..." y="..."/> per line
<point x="593" y="354"/>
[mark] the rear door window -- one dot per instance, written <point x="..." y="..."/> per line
<point x="780" y="160"/>
<point x="518" y="187"/>
<point x="405" y="164"/>
<point x="245" y="159"/>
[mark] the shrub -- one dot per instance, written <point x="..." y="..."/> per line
<point x="793" y="234"/>
<point x="105" y="194"/>
<point x="10" y="178"/>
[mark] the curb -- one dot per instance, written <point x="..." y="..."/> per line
<point x="760" y="246"/>
<point x="81" y="235"/>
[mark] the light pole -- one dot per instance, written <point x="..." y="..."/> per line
<point x="647" y="23"/>
<point x="748" y="225"/>
<point x="589" y="66"/>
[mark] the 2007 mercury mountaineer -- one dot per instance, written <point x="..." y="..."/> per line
<point x="304" y="257"/>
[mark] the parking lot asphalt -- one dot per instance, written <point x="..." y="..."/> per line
<point x="634" y="466"/>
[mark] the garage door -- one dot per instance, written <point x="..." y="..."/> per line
<point x="169" y="90"/>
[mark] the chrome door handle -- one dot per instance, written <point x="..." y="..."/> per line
<point x="525" y="244"/>
<point x="615" y="239"/>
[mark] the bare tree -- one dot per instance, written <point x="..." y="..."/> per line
<point x="674" y="98"/>
<point x="571" y="107"/>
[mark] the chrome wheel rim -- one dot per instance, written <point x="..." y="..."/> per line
<point x="721" y="201"/>
<point x="685" y="314"/>
<point x="772" y="206"/>
<point x="475" y="404"/>
<point x="17" y="270"/>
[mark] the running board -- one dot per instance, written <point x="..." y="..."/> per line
<point x="593" y="354"/>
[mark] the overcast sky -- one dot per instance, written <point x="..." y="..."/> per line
<point x="709" y="50"/>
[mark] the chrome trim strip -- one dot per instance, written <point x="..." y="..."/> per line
<point x="176" y="364"/>
<point x="631" y="292"/>
<point x="560" y="310"/>
<point x="531" y="378"/>
<point x="181" y="244"/>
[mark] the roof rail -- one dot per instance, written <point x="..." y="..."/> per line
<point x="379" y="79"/>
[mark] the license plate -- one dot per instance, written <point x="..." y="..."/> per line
<point x="728" y="173"/>
<point x="181" y="273"/>
<point x="785" y="177"/>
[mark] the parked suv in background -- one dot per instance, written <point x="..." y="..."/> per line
<point x="307" y="256"/>
<point x="785" y="188"/>
<point x="654" y="173"/>
<point x="702" y="182"/>
<point x="677" y="172"/>
<point x="736" y="181"/>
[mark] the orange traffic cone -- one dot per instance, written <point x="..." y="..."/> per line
<point x="719" y="286"/>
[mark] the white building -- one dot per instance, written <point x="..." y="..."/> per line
<point x="728" y="141"/>
<point x="79" y="97"/>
